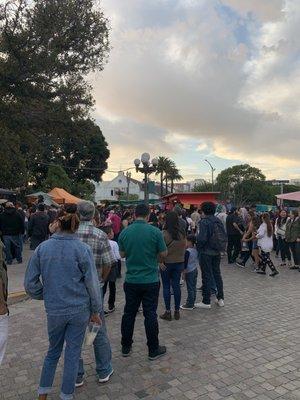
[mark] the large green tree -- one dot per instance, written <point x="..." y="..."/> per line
<point x="47" y="48"/>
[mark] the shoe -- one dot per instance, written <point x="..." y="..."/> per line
<point x="220" y="302"/>
<point x="177" y="315"/>
<point x="282" y="264"/>
<point x="261" y="272"/>
<point x="106" y="313"/>
<point x="202" y="305"/>
<point x="274" y="273"/>
<point x="167" y="316"/>
<point x="126" y="351"/>
<point x="110" y="310"/>
<point x="294" y="267"/>
<point x="239" y="264"/>
<point x="199" y="289"/>
<point x="79" y="382"/>
<point x="289" y="264"/>
<point x="186" y="307"/>
<point x="154" y="355"/>
<point x="106" y="379"/>
<point x="213" y="292"/>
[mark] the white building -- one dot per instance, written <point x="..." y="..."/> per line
<point x="111" y="190"/>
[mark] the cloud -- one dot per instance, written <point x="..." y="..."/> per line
<point x="222" y="74"/>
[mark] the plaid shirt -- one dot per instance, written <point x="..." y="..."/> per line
<point x="99" y="243"/>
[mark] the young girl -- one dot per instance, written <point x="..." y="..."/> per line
<point x="190" y="272"/>
<point x="265" y="243"/>
<point x="112" y="277"/>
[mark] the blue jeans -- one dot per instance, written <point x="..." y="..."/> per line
<point x="171" y="276"/>
<point x="210" y="266"/>
<point x="135" y="294"/>
<point x="191" y="285"/>
<point x="14" y="243"/>
<point x="102" y="351"/>
<point x="69" y="329"/>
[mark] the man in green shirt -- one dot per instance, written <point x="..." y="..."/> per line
<point x="143" y="247"/>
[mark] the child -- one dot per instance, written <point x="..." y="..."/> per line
<point x="112" y="277"/>
<point x="191" y="264"/>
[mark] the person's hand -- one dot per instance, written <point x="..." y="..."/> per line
<point x="95" y="318"/>
<point x="162" y="266"/>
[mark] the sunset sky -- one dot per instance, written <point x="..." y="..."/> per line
<point x="197" y="79"/>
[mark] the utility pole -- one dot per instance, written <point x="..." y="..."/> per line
<point x="128" y="176"/>
<point x="212" y="175"/>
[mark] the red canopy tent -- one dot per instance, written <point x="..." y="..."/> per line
<point x="61" y="196"/>
<point x="189" y="198"/>
<point x="294" y="196"/>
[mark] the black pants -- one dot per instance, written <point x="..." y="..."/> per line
<point x="295" y="249"/>
<point x="284" y="249"/>
<point x="234" y="247"/>
<point x="112" y="293"/>
<point x="135" y="294"/>
<point x="210" y="266"/>
<point x="266" y="261"/>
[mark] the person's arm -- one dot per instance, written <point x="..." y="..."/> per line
<point x="186" y="259"/>
<point x="107" y="257"/>
<point x="121" y="246"/>
<point x="162" y="251"/>
<point x="260" y="232"/>
<point x="32" y="283"/>
<point x="91" y="281"/>
<point x="202" y="237"/>
<point x="237" y="228"/>
<point x="30" y="225"/>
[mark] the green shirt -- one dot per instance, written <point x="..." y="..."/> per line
<point x="141" y="244"/>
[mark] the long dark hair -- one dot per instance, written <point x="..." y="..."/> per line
<point x="172" y="225"/>
<point x="266" y="219"/>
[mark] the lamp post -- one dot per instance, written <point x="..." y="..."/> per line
<point x="146" y="168"/>
<point x="212" y="174"/>
<point x="128" y="176"/>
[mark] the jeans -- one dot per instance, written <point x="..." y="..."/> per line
<point x="284" y="249"/>
<point x="210" y="265"/>
<point x="171" y="277"/>
<point x="191" y="285"/>
<point x="234" y="248"/>
<point x="69" y="329"/>
<point x="13" y="243"/>
<point x="3" y="335"/>
<point x="295" y="249"/>
<point x="102" y="351"/>
<point x="135" y="294"/>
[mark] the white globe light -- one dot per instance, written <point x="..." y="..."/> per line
<point x="137" y="162"/>
<point x="155" y="162"/>
<point x="145" y="158"/>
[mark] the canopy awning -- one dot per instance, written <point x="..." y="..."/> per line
<point x="61" y="196"/>
<point x="294" y="196"/>
<point x="48" y="200"/>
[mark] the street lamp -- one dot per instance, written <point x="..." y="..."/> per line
<point x="212" y="174"/>
<point x="147" y="168"/>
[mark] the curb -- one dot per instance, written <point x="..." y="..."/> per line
<point x="17" y="297"/>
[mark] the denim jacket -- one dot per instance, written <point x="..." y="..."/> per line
<point x="62" y="272"/>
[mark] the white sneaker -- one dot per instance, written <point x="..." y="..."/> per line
<point x="202" y="305"/>
<point x="220" y="302"/>
<point x="106" y="379"/>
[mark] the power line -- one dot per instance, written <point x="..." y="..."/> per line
<point x="83" y="168"/>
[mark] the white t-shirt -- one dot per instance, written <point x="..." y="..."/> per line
<point x="115" y="249"/>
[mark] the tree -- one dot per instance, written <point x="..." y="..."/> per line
<point x="205" y="187"/>
<point x="47" y="48"/>
<point x="57" y="177"/>
<point x="163" y="163"/>
<point x="236" y="181"/>
<point x="85" y="190"/>
<point x="174" y="175"/>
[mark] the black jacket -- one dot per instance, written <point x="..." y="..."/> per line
<point x="38" y="225"/>
<point x="11" y="222"/>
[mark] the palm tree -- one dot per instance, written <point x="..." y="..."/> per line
<point x="174" y="175"/>
<point x="170" y="167"/>
<point x="162" y="167"/>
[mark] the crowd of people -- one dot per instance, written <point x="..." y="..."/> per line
<point x="77" y="259"/>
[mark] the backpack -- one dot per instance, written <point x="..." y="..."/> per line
<point x="218" y="239"/>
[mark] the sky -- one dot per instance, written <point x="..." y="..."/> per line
<point x="202" y="79"/>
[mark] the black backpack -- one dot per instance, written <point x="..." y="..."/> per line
<point x="218" y="239"/>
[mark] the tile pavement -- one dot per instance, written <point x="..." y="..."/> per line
<point x="250" y="349"/>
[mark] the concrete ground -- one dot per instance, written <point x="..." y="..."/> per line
<point x="250" y="349"/>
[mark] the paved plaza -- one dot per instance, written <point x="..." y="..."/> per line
<point x="250" y="349"/>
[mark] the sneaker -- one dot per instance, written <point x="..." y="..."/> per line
<point x="177" y="315"/>
<point x="110" y="310"/>
<point x="126" y="351"/>
<point x="106" y="379"/>
<point x="167" y="316"/>
<point x="186" y="307"/>
<point x="240" y="264"/>
<point x="261" y="272"/>
<point x="154" y="355"/>
<point x="79" y="382"/>
<point x="202" y="305"/>
<point x="274" y="273"/>
<point x="220" y="302"/>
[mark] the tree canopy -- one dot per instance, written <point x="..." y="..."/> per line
<point x="47" y="48"/>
